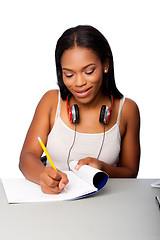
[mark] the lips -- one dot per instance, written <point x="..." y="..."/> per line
<point x="83" y="92"/>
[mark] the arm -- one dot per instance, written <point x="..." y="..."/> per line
<point x="30" y="164"/>
<point x="130" y="146"/>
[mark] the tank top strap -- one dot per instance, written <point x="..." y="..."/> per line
<point x="122" y="100"/>
<point x="58" y="106"/>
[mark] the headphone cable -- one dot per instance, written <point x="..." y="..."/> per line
<point x="75" y="131"/>
<point x="102" y="142"/>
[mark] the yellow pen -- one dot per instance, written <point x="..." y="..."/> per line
<point x="47" y="155"/>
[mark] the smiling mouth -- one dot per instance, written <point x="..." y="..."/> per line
<point x="84" y="91"/>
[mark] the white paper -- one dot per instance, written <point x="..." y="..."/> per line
<point x="22" y="190"/>
<point x="86" y="180"/>
<point x="86" y="172"/>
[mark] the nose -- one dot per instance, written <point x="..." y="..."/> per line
<point x="80" y="80"/>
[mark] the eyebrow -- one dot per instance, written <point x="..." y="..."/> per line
<point x="91" y="64"/>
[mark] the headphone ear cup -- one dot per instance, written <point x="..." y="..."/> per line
<point x="104" y="115"/>
<point x="75" y="113"/>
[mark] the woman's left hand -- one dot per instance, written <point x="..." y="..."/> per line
<point x="93" y="162"/>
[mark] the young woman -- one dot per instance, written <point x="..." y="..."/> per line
<point x="88" y="120"/>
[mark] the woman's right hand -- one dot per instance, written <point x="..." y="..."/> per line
<point x="52" y="181"/>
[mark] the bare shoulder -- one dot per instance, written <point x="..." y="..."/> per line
<point x="50" y="96"/>
<point x="130" y="106"/>
<point x="49" y="100"/>
<point x="130" y="110"/>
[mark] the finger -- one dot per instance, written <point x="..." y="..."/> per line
<point x="49" y="190"/>
<point x="47" y="180"/>
<point x="50" y="177"/>
<point x="54" y="174"/>
<point x="64" y="180"/>
<point x="82" y="162"/>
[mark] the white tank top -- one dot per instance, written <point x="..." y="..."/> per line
<point x="61" y="138"/>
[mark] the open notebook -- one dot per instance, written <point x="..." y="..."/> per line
<point x="83" y="182"/>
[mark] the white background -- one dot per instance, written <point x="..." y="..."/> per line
<point x="28" y="34"/>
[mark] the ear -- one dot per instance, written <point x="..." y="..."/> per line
<point x="106" y="65"/>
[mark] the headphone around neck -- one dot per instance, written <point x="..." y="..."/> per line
<point x="73" y="112"/>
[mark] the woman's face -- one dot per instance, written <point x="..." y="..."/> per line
<point x="82" y="73"/>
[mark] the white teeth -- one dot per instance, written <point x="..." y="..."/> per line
<point x="83" y="91"/>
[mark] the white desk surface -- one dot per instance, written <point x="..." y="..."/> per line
<point x="125" y="209"/>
